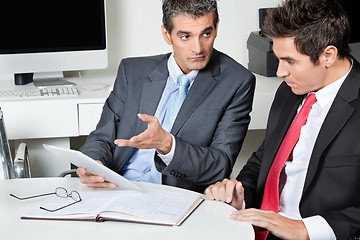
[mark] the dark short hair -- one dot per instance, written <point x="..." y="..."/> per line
<point x="314" y="24"/>
<point x="194" y="8"/>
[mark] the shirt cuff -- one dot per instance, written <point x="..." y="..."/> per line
<point x="318" y="228"/>
<point x="167" y="158"/>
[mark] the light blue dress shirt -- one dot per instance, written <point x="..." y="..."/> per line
<point x="139" y="166"/>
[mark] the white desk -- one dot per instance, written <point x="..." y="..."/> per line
<point x="211" y="220"/>
<point x="54" y="121"/>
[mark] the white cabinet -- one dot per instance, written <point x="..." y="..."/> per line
<point x="40" y="119"/>
<point x="89" y="116"/>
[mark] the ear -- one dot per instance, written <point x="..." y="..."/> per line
<point x="166" y="35"/>
<point x="330" y="55"/>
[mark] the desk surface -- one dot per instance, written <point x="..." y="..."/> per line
<point x="210" y="221"/>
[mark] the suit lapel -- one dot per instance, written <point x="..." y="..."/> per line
<point x="153" y="87"/>
<point x="202" y="86"/>
<point x="151" y="93"/>
<point x="339" y="113"/>
<point x="332" y="125"/>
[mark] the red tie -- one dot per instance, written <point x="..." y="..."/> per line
<point x="271" y="191"/>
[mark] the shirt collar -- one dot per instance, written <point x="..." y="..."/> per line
<point x="175" y="71"/>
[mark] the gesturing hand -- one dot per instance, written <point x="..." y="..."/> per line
<point x="153" y="137"/>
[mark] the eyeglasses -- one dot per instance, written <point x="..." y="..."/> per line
<point x="60" y="192"/>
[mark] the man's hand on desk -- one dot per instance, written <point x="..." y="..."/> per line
<point x="154" y="137"/>
<point x="228" y="191"/>
<point x="232" y="192"/>
<point x="93" y="180"/>
<point x="278" y="225"/>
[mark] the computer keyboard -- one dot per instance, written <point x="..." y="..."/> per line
<point x="57" y="91"/>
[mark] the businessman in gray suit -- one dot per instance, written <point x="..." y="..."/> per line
<point x="202" y="143"/>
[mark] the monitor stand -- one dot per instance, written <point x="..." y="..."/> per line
<point x="42" y="80"/>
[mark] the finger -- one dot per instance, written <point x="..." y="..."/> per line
<point x="256" y="217"/>
<point x="215" y="191"/>
<point x="102" y="185"/>
<point x="208" y="192"/>
<point x="147" y="118"/>
<point x="122" y="142"/>
<point x="89" y="179"/>
<point x="248" y="215"/>
<point x="138" y="139"/>
<point x="259" y="225"/>
<point x="230" y="190"/>
<point x="219" y="190"/>
<point x="239" y="187"/>
<point x="81" y="171"/>
<point x="96" y="181"/>
<point x="86" y="177"/>
<point x="239" y="192"/>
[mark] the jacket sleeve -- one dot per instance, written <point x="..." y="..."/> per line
<point x="100" y="143"/>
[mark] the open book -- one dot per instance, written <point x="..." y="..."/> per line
<point x="154" y="207"/>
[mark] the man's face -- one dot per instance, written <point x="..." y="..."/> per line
<point x="192" y="40"/>
<point x="297" y="69"/>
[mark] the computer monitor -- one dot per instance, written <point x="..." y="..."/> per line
<point x="350" y="7"/>
<point x="51" y="36"/>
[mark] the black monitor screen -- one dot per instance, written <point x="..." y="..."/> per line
<point x="51" y="26"/>
<point x="352" y="10"/>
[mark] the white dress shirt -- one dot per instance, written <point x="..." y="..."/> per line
<point x="296" y="169"/>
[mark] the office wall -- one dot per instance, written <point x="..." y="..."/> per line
<point x="134" y="28"/>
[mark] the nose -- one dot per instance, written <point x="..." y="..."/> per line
<point x="197" y="46"/>
<point x="282" y="71"/>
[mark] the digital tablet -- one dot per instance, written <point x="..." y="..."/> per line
<point x="93" y="167"/>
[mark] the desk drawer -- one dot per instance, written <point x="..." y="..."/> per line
<point x="40" y="119"/>
<point x="89" y="116"/>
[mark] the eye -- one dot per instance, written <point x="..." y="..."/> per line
<point x="290" y="61"/>
<point x="184" y="37"/>
<point x="206" y="34"/>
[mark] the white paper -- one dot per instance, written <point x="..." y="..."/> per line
<point x="81" y="160"/>
<point x="163" y="207"/>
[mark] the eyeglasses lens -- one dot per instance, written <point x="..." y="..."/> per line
<point x="61" y="192"/>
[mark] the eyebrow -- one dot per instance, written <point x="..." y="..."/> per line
<point x="287" y="58"/>
<point x="180" y="32"/>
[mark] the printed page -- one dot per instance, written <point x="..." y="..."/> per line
<point x="163" y="207"/>
<point x="159" y="206"/>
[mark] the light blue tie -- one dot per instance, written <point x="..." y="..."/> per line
<point x="170" y="115"/>
<point x="177" y="101"/>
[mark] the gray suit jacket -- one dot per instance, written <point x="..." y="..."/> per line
<point x="209" y="129"/>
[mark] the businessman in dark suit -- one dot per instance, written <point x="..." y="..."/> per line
<point x="203" y="143"/>
<point x="317" y="186"/>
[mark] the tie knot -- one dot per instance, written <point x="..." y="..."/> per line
<point x="184" y="81"/>
<point x="310" y="100"/>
